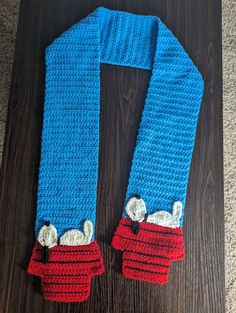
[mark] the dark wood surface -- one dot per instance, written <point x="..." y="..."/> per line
<point x="197" y="284"/>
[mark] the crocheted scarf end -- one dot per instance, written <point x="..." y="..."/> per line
<point x="149" y="252"/>
<point x="66" y="271"/>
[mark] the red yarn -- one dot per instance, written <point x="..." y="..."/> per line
<point x="67" y="274"/>
<point x="148" y="255"/>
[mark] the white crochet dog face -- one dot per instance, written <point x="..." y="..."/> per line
<point x="136" y="210"/>
<point x="48" y="236"/>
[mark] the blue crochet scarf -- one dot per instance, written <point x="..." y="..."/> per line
<point x="149" y="233"/>
<point x="70" y="140"/>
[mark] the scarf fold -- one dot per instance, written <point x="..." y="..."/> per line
<point x="68" y="176"/>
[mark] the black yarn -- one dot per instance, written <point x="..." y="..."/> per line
<point x="135" y="227"/>
<point x="45" y="254"/>
<point x="145" y="217"/>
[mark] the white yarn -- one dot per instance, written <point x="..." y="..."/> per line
<point x="136" y="209"/>
<point x="74" y="237"/>
<point x="48" y="236"/>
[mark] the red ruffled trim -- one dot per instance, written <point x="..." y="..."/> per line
<point x="148" y="255"/>
<point x="66" y="275"/>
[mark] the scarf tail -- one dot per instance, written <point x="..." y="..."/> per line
<point x="150" y="229"/>
<point x="66" y="254"/>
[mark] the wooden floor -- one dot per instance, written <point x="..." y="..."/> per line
<point x="197" y="284"/>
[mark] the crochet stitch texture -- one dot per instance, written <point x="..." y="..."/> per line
<point x="70" y="139"/>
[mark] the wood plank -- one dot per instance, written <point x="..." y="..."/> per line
<point x="197" y="284"/>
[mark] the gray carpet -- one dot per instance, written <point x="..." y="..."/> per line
<point x="9" y="10"/>
<point x="229" y="111"/>
<point x="8" y="24"/>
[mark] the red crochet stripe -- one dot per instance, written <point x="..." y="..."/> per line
<point x="147" y="258"/>
<point x="148" y="255"/>
<point x="66" y="297"/>
<point x="66" y="276"/>
<point x="67" y="279"/>
<point x="146" y="276"/>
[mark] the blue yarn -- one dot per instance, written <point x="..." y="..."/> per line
<point x="70" y="139"/>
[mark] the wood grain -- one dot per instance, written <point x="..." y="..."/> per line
<point x="196" y="285"/>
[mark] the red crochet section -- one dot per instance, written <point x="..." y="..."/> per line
<point x="66" y="275"/>
<point x="148" y="255"/>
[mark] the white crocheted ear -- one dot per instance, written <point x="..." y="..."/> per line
<point x="48" y="236"/>
<point x="177" y="211"/>
<point x="88" y="230"/>
<point x="136" y="209"/>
